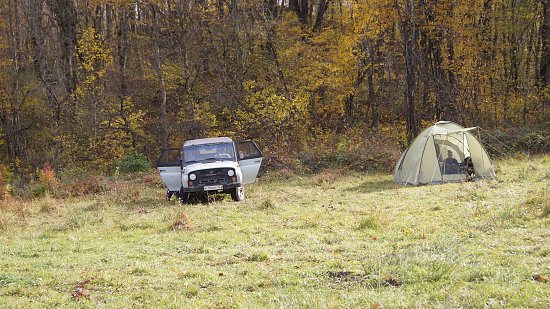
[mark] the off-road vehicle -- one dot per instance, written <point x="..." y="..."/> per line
<point x="209" y="165"/>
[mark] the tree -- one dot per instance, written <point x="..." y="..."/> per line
<point x="408" y="32"/>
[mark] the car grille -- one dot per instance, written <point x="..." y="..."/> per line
<point x="210" y="177"/>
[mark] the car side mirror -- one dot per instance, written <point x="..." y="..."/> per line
<point x="241" y="154"/>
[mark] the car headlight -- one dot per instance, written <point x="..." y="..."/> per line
<point x="192" y="176"/>
<point x="230" y="173"/>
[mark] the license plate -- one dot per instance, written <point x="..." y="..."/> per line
<point x="212" y="188"/>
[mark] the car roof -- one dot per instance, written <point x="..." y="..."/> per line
<point x="212" y="140"/>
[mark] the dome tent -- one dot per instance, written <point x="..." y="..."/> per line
<point x="428" y="159"/>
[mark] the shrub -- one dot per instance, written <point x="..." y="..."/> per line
<point x="39" y="190"/>
<point x="266" y="204"/>
<point x="529" y="140"/>
<point x="181" y="223"/>
<point x="6" y="179"/>
<point x="258" y="257"/>
<point x="354" y="151"/>
<point x="133" y="162"/>
<point x="75" y="187"/>
<point x="368" y="223"/>
<point x="80" y="181"/>
<point x="45" y="182"/>
<point x="74" y="174"/>
<point x="47" y="178"/>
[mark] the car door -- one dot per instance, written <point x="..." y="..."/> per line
<point x="169" y="166"/>
<point x="250" y="159"/>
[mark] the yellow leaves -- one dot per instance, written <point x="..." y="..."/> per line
<point x="266" y="103"/>
<point x="95" y="59"/>
<point x="4" y="64"/>
<point x="94" y="54"/>
<point x="125" y="117"/>
<point x="173" y="75"/>
<point x="375" y="17"/>
<point x="267" y="110"/>
<point x="3" y="93"/>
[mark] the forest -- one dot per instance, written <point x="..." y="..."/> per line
<point x="86" y="83"/>
<point x="332" y="92"/>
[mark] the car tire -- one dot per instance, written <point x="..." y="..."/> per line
<point x="184" y="197"/>
<point x="237" y="194"/>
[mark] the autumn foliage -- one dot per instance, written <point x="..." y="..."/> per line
<point x="318" y="83"/>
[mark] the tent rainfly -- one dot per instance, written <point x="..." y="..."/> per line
<point x="444" y="152"/>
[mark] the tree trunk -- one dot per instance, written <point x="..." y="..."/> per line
<point x="321" y="10"/>
<point x="272" y="49"/>
<point x="545" y="50"/>
<point x="301" y="8"/>
<point x="66" y="18"/>
<point x="41" y="65"/>
<point x="349" y="109"/>
<point x="271" y="9"/>
<point x="372" y="96"/>
<point x="11" y="106"/>
<point x="122" y="57"/>
<point x="160" y="77"/>
<point x="408" y="35"/>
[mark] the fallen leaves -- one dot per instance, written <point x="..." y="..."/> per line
<point x="540" y="278"/>
<point x="392" y="281"/>
<point x="80" y="290"/>
<point x="181" y="223"/>
<point x="345" y="277"/>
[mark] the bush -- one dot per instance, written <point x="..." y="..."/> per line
<point x="86" y="186"/>
<point x="6" y="179"/>
<point x="529" y="140"/>
<point x="266" y="204"/>
<point x="39" y="190"/>
<point x="133" y="162"/>
<point x="80" y="181"/>
<point x="43" y="182"/>
<point x="353" y="151"/>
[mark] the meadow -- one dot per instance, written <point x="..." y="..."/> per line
<point x="329" y="240"/>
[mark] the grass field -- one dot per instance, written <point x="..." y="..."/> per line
<point x="334" y="239"/>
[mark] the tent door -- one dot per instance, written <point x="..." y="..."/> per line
<point x="169" y="167"/>
<point x="250" y="160"/>
<point x="452" y="149"/>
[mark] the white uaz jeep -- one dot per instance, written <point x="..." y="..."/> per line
<point x="209" y="165"/>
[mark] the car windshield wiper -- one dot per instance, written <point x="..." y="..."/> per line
<point x="191" y="162"/>
<point x="211" y="159"/>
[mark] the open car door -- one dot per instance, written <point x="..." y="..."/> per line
<point x="169" y="166"/>
<point x="250" y="160"/>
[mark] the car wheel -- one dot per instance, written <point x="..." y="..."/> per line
<point x="184" y="197"/>
<point x="237" y="194"/>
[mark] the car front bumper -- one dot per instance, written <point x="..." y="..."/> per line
<point x="225" y="187"/>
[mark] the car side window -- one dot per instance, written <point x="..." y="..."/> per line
<point x="169" y="157"/>
<point x="248" y="150"/>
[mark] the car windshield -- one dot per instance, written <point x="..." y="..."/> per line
<point x="208" y="153"/>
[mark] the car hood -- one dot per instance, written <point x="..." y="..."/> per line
<point x="206" y="166"/>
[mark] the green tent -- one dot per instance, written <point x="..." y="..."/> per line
<point x="444" y="152"/>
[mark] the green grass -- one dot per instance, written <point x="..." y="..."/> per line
<point x="335" y="239"/>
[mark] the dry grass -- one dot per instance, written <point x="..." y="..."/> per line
<point x="182" y="222"/>
<point x="334" y="239"/>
